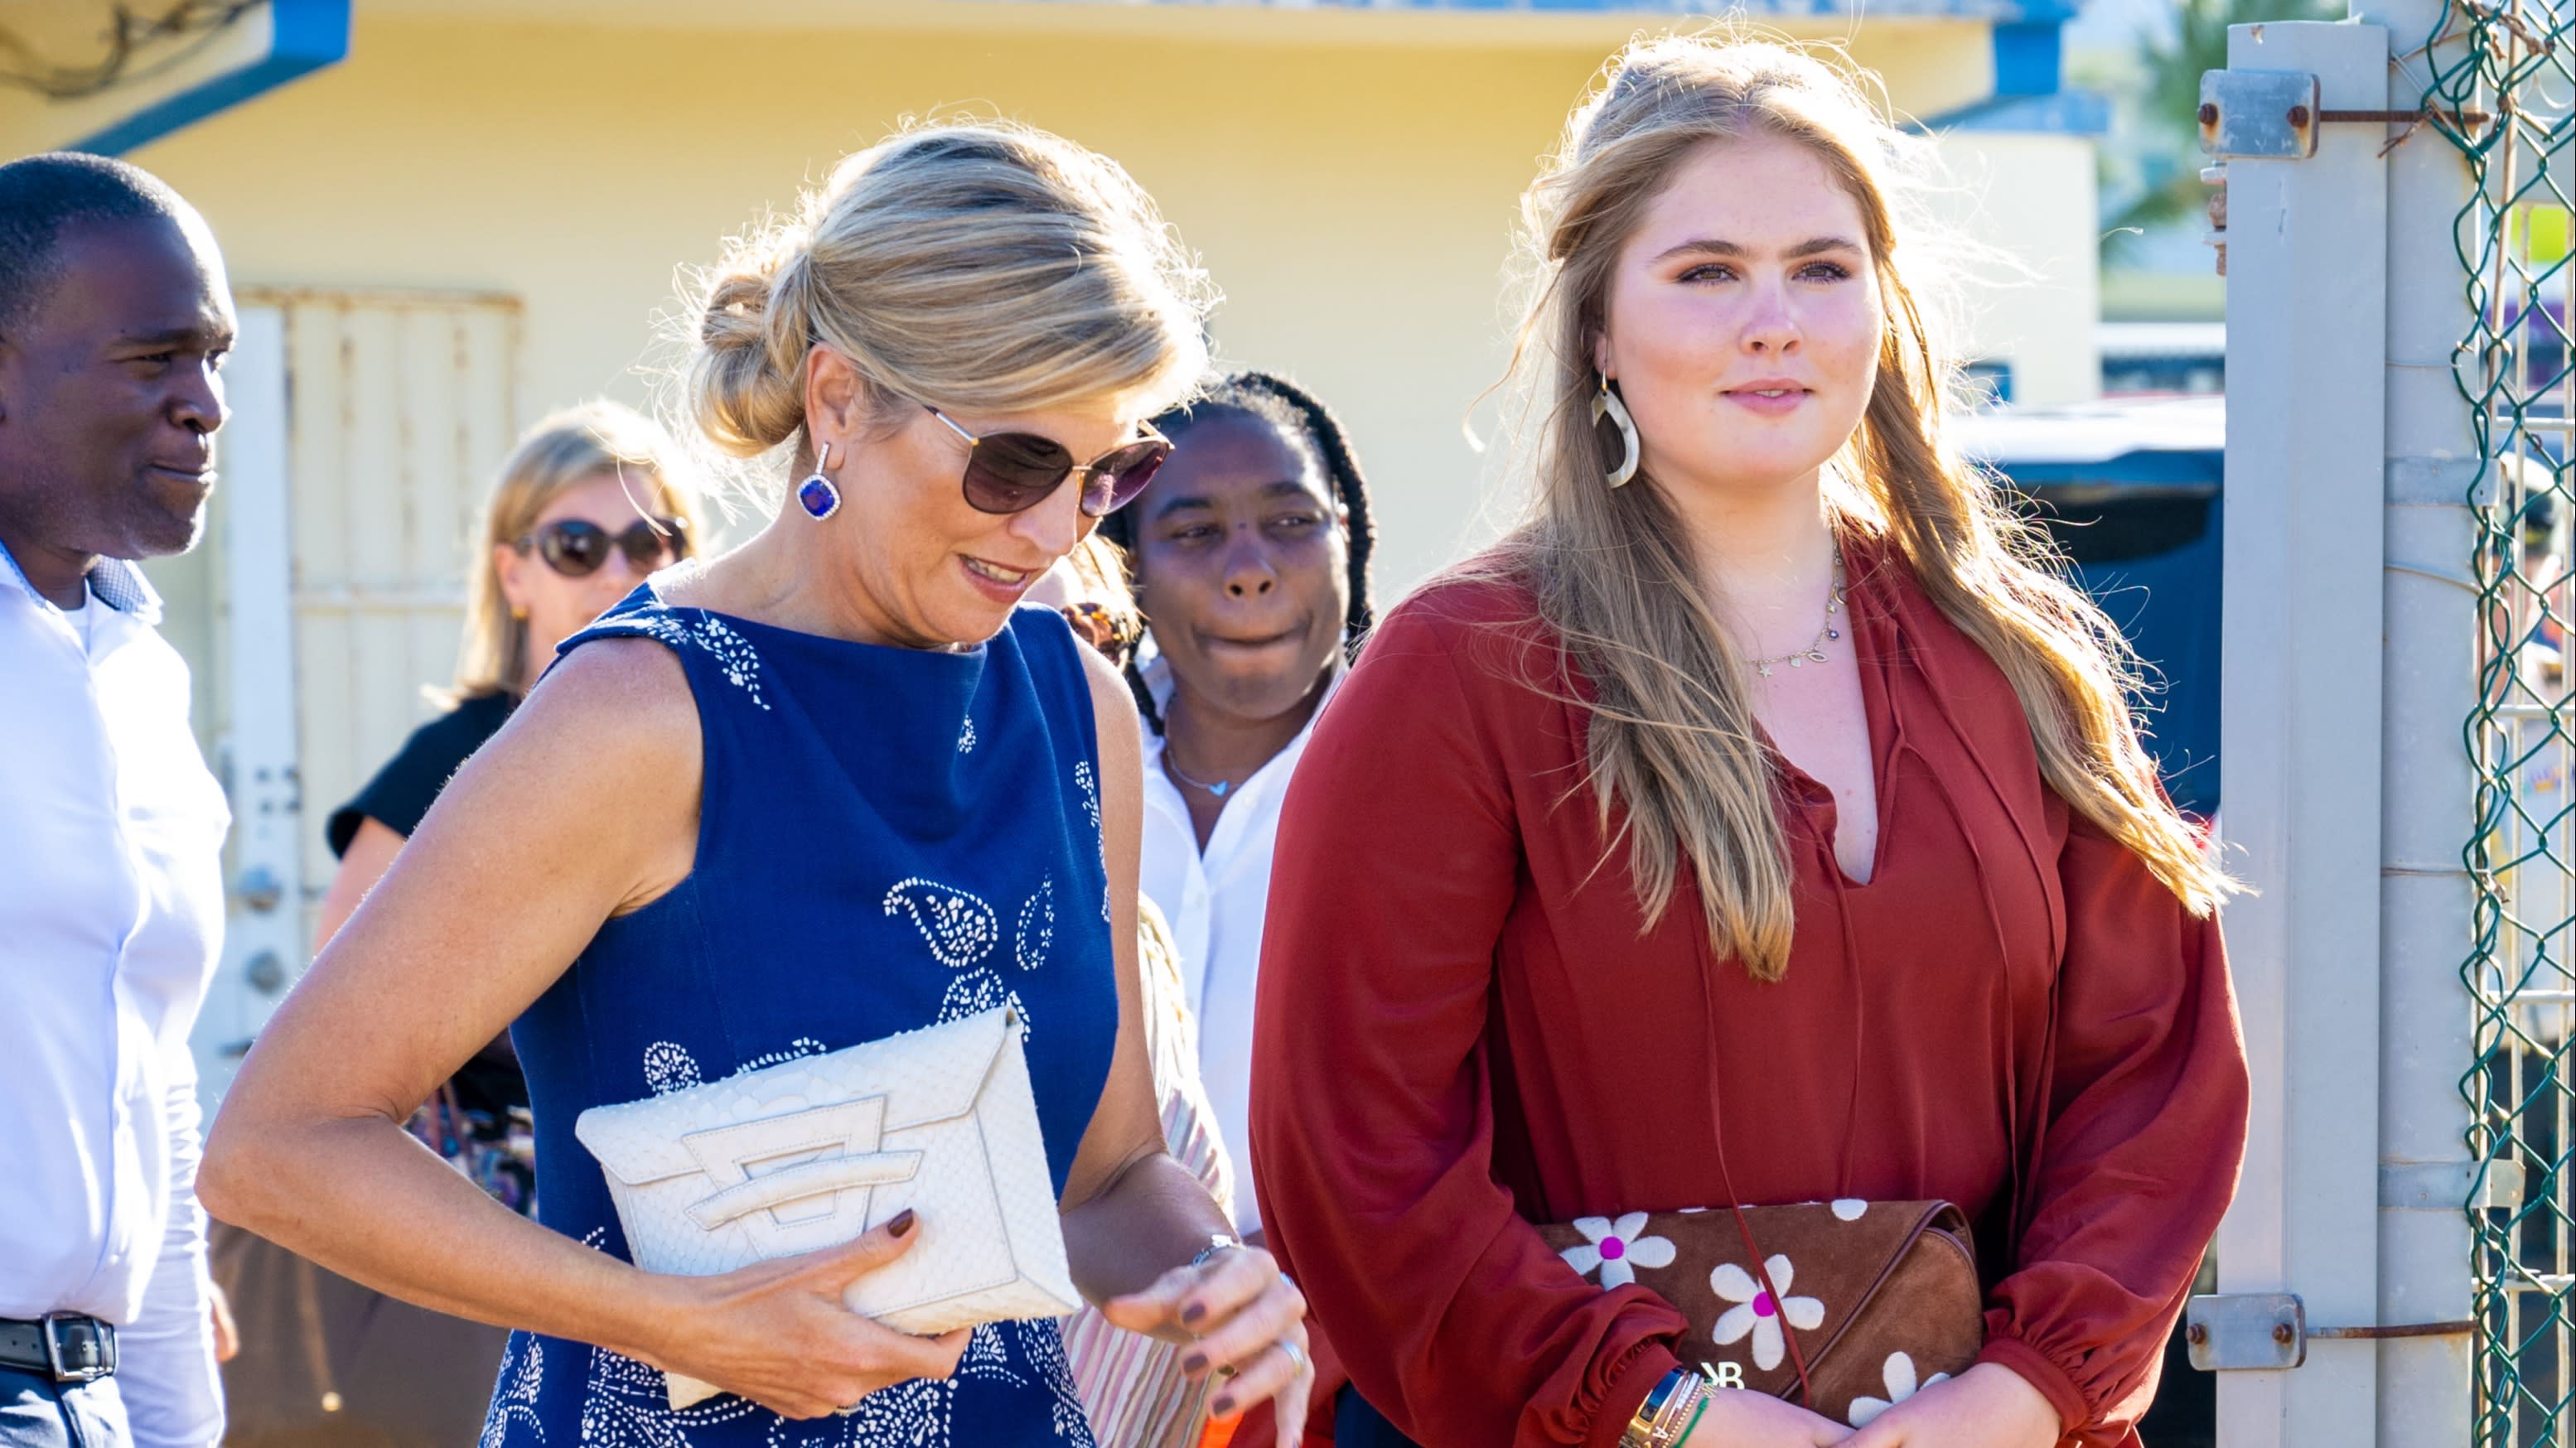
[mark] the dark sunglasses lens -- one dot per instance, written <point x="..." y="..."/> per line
<point x="1012" y="472"/>
<point x="1116" y="479"/>
<point x="650" y="545"/>
<point x="574" y="548"/>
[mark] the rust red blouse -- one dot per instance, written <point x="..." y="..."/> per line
<point x="1462" y="1032"/>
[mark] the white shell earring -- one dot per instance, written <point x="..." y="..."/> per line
<point x="1621" y="441"/>
<point x="817" y="495"/>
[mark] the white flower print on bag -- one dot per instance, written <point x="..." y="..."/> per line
<point x="1756" y="1314"/>
<point x="1899" y="1374"/>
<point x="1615" y="1250"/>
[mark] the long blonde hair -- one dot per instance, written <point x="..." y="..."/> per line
<point x="983" y="266"/>
<point x="571" y="447"/>
<point x="1672" y="736"/>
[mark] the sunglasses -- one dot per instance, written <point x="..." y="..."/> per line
<point x="1098" y="627"/>
<point x="1012" y="472"/>
<point x="578" y="548"/>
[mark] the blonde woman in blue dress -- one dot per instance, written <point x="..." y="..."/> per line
<point x="741" y="820"/>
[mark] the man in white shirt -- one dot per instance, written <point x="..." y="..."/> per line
<point x="114" y="316"/>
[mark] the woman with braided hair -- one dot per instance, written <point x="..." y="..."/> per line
<point x="1249" y="552"/>
<point x="1250" y="556"/>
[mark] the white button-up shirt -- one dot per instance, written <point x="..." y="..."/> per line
<point x="1216" y="900"/>
<point x="111" y="916"/>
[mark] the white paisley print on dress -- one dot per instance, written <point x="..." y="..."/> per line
<point x="733" y="653"/>
<point x="669" y="1067"/>
<point x="1756" y="1314"/>
<point x="627" y="1404"/>
<point x="962" y="931"/>
<point x="959" y="928"/>
<point x="514" y="1399"/>
<point x="1037" y="927"/>
<point x="1043" y="1344"/>
<point x="1089" y="784"/>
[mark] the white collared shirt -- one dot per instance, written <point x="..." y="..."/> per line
<point x="111" y="917"/>
<point x="1217" y="900"/>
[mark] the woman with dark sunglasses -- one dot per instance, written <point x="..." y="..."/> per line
<point x="830" y="787"/>
<point x="591" y="500"/>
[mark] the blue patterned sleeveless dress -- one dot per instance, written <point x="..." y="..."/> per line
<point x="888" y="838"/>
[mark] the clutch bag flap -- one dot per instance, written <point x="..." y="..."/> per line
<point x="1883" y="1297"/>
<point x="815" y="1151"/>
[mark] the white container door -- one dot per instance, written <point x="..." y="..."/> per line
<point x="366" y="429"/>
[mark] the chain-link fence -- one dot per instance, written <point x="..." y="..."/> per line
<point x="2500" y="90"/>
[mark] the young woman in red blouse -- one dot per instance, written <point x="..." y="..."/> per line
<point x="1768" y="763"/>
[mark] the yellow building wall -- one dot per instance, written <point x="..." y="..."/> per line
<point x="1354" y="197"/>
<point x="2033" y="302"/>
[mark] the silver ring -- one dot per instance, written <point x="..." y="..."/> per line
<point x="1296" y="1356"/>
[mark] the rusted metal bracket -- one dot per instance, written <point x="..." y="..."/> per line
<point x="2273" y="115"/>
<point x="2269" y="1332"/>
<point x="2258" y="115"/>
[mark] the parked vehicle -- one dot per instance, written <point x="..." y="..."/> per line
<point x="2131" y="490"/>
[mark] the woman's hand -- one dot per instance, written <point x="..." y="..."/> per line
<point x="1988" y="1406"/>
<point x="1244" y="1322"/>
<point x="778" y="1333"/>
<point x="1738" y="1418"/>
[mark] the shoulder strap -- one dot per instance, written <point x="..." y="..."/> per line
<point x="1735" y="1200"/>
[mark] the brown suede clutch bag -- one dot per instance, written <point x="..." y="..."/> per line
<point x="1848" y="1308"/>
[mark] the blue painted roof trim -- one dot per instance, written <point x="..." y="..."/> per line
<point x="2067" y="113"/>
<point x="2029" y="57"/>
<point x="308" y="35"/>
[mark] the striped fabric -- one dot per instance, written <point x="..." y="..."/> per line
<point x="1132" y="1386"/>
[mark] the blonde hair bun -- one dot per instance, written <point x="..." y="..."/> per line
<point x="984" y="265"/>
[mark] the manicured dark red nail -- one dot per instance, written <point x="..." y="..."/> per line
<point x="1195" y="1362"/>
<point x="1223" y="1408"/>
<point x="1193" y="1312"/>
<point x="901" y="1226"/>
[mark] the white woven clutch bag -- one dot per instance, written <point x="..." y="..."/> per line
<point x="812" y="1153"/>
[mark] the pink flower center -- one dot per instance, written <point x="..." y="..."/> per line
<point x="1762" y="1305"/>
<point x="1612" y="1249"/>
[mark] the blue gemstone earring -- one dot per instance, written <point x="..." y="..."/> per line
<point x="816" y="494"/>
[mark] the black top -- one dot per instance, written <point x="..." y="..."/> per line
<point x="401" y="791"/>
<point x="397" y="798"/>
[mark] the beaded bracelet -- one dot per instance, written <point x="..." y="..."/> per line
<point x="1694" y="1419"/>
<point x="1692" y="1398"/>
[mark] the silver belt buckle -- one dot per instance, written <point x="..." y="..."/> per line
<point x="102" y="1348"/>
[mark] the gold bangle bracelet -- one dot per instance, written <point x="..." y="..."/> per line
<point x="1642" y="1429"/>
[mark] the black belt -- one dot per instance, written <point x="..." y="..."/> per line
<point x="64" y="1346"/>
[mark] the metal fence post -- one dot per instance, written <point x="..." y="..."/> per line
<point x="2301" y="752"/>
<point x="2427" y="779"/>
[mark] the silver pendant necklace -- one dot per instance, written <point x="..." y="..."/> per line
<point x="1218" y="790"/>
<point x="1814" y="652"/>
